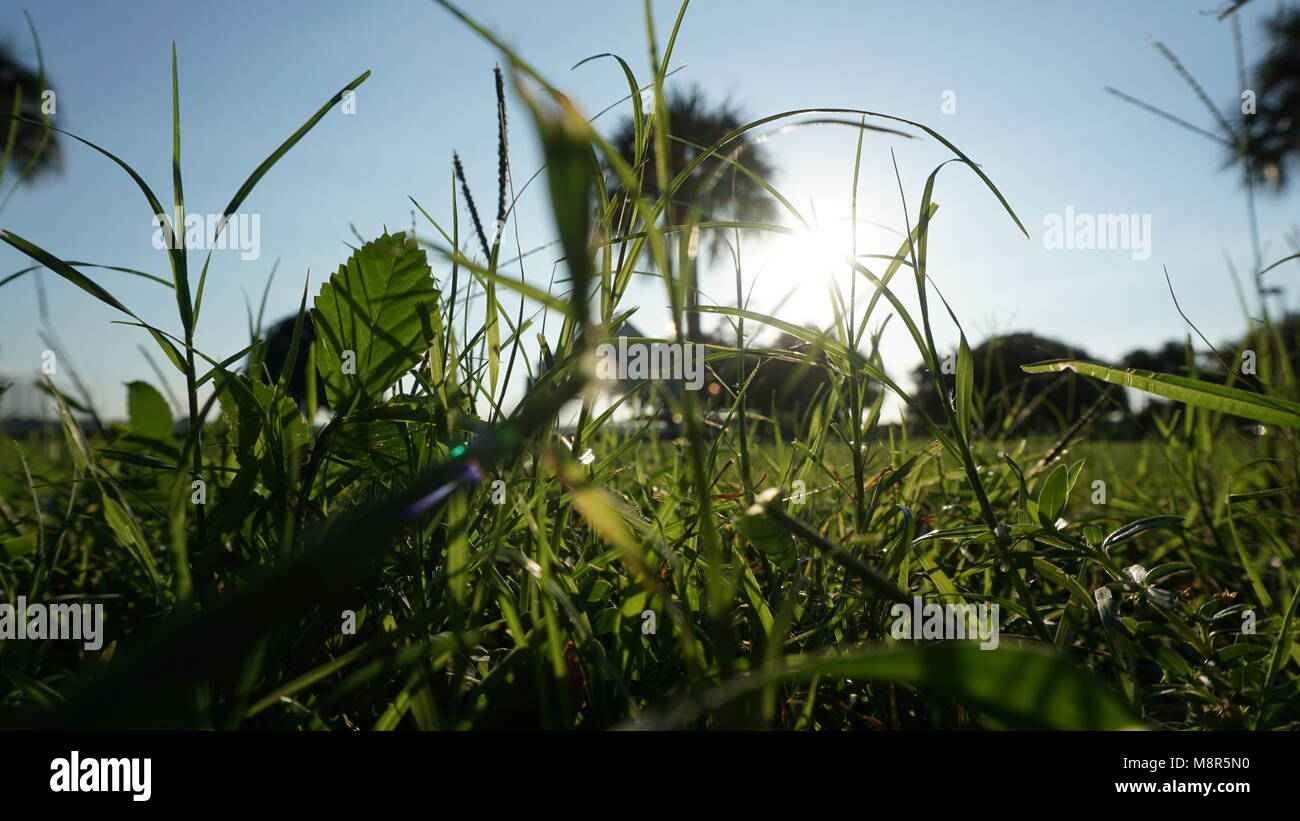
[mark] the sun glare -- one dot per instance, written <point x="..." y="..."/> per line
<point x="814" y="253"/>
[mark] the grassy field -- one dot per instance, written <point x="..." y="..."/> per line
<point x="427" y="559"/>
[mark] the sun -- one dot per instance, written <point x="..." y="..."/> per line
<point x="815" y="252"/>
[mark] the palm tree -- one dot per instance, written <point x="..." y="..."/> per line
<point x="719" y="192"/>
<point x="35" y="151"/>
<point x="1274" y="129"/>
<point x="1237" y="129"/>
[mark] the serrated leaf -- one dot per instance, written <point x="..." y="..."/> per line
<point x="377" y="307"/>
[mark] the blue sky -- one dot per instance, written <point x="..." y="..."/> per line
<point x="1027" y="79"/>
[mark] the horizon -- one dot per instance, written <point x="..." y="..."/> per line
<point x="430" y="78"/>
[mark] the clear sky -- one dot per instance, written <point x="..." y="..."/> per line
<point x="1027" y="80"/>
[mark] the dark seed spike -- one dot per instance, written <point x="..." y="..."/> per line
<point x="469" y="201"/>
<point x="503" y="150"/>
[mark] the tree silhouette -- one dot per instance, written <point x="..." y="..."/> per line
<point x="1169" y="358"/>
<point x="782" y="381"/>
<point x="1009" y="401"/>
<point x="1274" y="130"/>
<point x="784" y="387"/>
<point x="279" y="338"/>
<point x="35" y="149"/>
<point x="719" y="191"/>
<point x="1235" y="129"/>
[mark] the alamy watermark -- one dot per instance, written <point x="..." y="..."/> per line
<point x="947" y="622"/>
<point x="79" y="621"/>
<point x="1098" y="232"/>
<point x="210" y="232"/>
<point x="651" y="360"/>
<point x="128" y="775"/>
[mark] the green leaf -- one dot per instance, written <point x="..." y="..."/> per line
<point x="493" y="335"/>
<point x="1018" y="687"/>
<point x="269" y="162"/>
<point x="373" y="320"/>
<point x="1261" y="408"/>
<point x="1257" y="583"/>
<point x="965" y="387"/>
<point x="1281" y="650"/>
<point x="148" y="411"/>
<point x="1058" y="576"/>
<point x="570" y="175"/>
<point x="18" y="546"/>
<point x="1052" y="496"/>
<point x="1131" y="529"/>
<point x="132" y="458"/>
<point x="1236" y="498"/>
<point x="64" y="270"/>
<point x="249" y="406"/>
<point x="1166" y="569"/>
<point x="77" y="443"/>
<point x="129" y="536"/>
<point x="179" y="258"/>
<point x="768" y="502"/>
<point x="767" y="536"/>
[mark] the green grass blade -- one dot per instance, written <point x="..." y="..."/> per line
<point x="1019" y="687"/>
<point x="1261" y="408"/>
<point x="269" y="162"/>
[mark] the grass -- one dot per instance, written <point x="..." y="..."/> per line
<point x="430" y="559"/>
